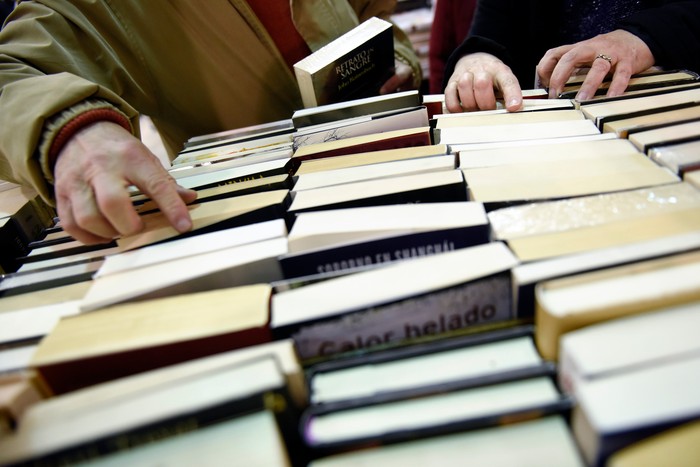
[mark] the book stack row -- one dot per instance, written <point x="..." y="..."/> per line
<point x="377" y="282"/>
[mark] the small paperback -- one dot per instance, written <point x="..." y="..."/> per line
<point x="353" y="66"/>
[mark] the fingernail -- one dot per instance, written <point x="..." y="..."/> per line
<point x="582" y="96"/>
<point x="183" y="225"/>
<point x="513" y="103"/>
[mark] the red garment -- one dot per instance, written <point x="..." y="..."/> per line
<point x="451" y="24"/>
<point x="276" y="16"/>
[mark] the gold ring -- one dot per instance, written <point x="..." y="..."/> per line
<point x="607" y="58"/>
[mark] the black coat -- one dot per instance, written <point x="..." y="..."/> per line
<point x="519" y="32"/>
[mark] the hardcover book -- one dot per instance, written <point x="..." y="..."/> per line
<point x="131" y="338"/>
<point x="353" y="66"/>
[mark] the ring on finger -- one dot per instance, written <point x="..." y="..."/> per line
<point x="605" y="57"/>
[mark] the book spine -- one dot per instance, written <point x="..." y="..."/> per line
<point x="383" y="251"/>
<point x="439" y="193"/>
<point x="277" y="401"/>
<point x="444" y="312"/>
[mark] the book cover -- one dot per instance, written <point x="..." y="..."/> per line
<point x="163" y="412"/>
<point x="353" y="66"/>
<point x="355" y="108"/>
<point x="466" y="287"/>
<point x="135" y="337"/>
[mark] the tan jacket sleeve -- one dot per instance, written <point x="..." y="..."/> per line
<point x="38" y="82"/>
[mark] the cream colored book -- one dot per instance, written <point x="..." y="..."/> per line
<point x="566" y="304"/>
<point x="511" y="118"/>
<point x="564" y="178"/>
<point x="627" y="344"/>
<point x="448" y="184"/>
<point x="528" y="444"/>
<point x="158" y="228"/>
<point x="693" y="178"/>
<point x="625" y="126"/>
<point x="538" y="152"/>
<point x="673" y="134"/>
<point x="370" y="157"/>
<point x="374" y="171"/>
<point x="519" y="132"/>
<point x="134" y="337"/>
<point x="227" y="267"/>
<point x="323" y="229"/>
<point x="679" y="158"/>
<point x="554" y="228"/>
<point x="602" y="111"/>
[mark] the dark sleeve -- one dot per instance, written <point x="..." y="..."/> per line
<point x="672" y="33"/>
<point x="516" y="31"/>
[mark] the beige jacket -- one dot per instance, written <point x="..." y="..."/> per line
<point x="195" y="67"/>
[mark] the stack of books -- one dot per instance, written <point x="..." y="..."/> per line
<point x="370" y="282"/>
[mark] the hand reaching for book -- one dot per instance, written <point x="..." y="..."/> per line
<point x="618" y="52"/>
<point x="477" y="80"/>
<point x="92" y="173"/>
<point x="402" y="80"/>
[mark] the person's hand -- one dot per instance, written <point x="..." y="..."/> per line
<point x="92" y="173"/>
<point x="477" y="78"/>
<point x="402" y="80"/>
<point x="618" y="52"/>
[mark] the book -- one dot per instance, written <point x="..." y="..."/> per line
<point x="162" y="412"/>
<point x="245" y="187"/>
<point x="218" y="176"/>
<point x="403" y="138"/>
<point x="257" y="435"/>
<point x="426" y="368"/>
<point x="134" y="337"/>
<point x="677" y="446"/>
<point x="693" y="178"/>
<point x="369" y="157"/>
<point x="553" y="228"/>
<point x="244" y="152"/>
<point x="442" y="413"/>
<point x="518" y="132"/>
<point x="211" y="215"/>
<point x="373" y="171"/>
<point x="550" y="150"/>
<point x="45" y="279"/>
<point x="603" y="112"/>
<point x="566" y="304"/>
<point x="627" y="344"/>
<point x="511" y="118"/>
<point x="64" y="249"/>
<point x="228" y="163"/>
<point x="527" y="275"/>
<point x="359" y="126"/>
<point x="529" y="442"/>
<point x="331" y="240"/>
<point x="236" y="265"/>
<point x="83" y="401"/>
<point x="641" y="81"/>
<point x="45" y="297"/>
<point x="626" y="126"/>
<point x="467" y="148"/>
<point x="24" y="216"/>
<point x="31" y="324"/>
<point x="678" y="158"/>
<point x="420" y="188"/>
<point x="248" y="132"/>
<point x="353" y="66"/>
<point x="467" y="288"/>
<point x="673" y="134"/>
<point x="616" y="411"/>
<point x="355" y="107"/>
<point x="191" y="246"/>
<point x="529" y="105"/>
<point x="501" y="185"/>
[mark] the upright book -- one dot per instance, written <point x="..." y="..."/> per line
<point x="353" y="66"/>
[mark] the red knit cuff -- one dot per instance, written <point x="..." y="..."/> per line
<point x="81" y="121"/>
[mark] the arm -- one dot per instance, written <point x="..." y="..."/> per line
<point x="54" y="67"/>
